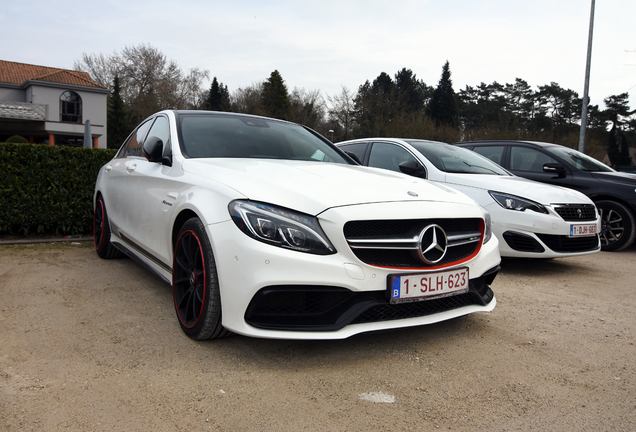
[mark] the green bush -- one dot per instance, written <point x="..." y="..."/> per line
<point x="17" y="139"/>
<point x="48" y="189"/>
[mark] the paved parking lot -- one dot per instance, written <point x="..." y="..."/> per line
<point x="94" y="345"/>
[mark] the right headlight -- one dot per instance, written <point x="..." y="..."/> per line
<point x="280" y="227"/>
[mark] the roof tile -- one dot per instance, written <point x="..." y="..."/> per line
<point x="18" y="73"/>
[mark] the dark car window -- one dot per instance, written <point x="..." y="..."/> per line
<point x="454" y="159"/>
<point x="388" y="156"/>
<point x="132" y="147"/>
<point x="494" y="153"/>
<point x="579" y="160"/>
<point x="246" y="137"/>
<point x="358" y="149"/>
<point x="160" y="129"/>
<point x="527" y="159"/>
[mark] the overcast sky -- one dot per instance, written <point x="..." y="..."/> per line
<point x="324" y="45"/>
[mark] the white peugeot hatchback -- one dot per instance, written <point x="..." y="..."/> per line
<point x="266" y="229"/>
<point x="530" y="219"/>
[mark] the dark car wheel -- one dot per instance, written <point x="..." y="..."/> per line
<point x="197" y="298"/>
<point x="101" y="233"/>
<point x="618" y="228"/>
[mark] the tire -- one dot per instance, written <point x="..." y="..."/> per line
<point x="101" y="232"/>
<point x="197" y="299"/>
<point x="618" y="228"/>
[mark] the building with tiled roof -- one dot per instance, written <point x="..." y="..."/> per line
<point x="51" y="106"/>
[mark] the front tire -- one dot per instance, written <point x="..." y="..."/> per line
<point x="197" y="297"/>
<point x="101" y="232"/>
<point x="618" y="228"/>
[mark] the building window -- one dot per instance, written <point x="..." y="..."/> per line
<point x="70" y="107"/>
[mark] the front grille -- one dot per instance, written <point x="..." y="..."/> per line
<point x="569" y="244"/>
<point x="394" y="243"/>
<point x="576" y="212"/>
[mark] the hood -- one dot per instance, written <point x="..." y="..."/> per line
<point x="313" y="187"/>
<point x="627" y="179"/>
<point x="539" y="192"/>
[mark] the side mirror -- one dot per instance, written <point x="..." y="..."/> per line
<point x="353" y="156"/>
<point x="153" y="151"/>
<point x="412" y="168"/>
<point x="554" y="168"/>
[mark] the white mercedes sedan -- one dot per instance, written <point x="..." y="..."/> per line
<point x="264" y="228"/>
<point x="530" y="219"/>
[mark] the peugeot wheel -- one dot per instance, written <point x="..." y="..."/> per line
<point x="618" y="226"/>
<point x="101" y="232"/>
<point x="197" y="298"/>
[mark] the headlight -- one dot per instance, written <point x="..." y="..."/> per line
<point x="488" y="227"/>
<point x="280" y="227"/>
<point x="512" y="202"/>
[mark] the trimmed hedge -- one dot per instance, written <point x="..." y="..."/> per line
<point x="48" y="189"/>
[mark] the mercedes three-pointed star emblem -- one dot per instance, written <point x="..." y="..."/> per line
<point x="432" y="244"/>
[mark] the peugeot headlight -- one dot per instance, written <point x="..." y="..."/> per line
<point x="513" y="202"/>
<point x="280" y="227"/>
<point x="488" y="225"/>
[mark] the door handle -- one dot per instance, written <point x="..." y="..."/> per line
<point x="131" y="167"/>
<point x="108" y="168"/>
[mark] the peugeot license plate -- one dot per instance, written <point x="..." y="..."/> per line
<point x="582" y="230"/>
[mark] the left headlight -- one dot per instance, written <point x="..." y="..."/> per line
<point x="280" y="227"/>
<point x="513" y="202"/>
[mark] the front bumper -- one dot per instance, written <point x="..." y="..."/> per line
<point x="534" y="235"/>
<point x="270" y="292"/>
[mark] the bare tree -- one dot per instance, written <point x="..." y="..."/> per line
<point x="307" y="107"/>
<point x="247" y="100"/>
<point x="149" y="81"/>
<point x="340" y="108"/>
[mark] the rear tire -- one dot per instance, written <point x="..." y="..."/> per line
<point x="101" y="232"/>
<point x="197" y="298"/>
<point x="618" y="228"/>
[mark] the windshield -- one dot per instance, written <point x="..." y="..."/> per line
<point x="227" y="136"/>
<point x="579" y="160"/>
<point x="453" y="159"/>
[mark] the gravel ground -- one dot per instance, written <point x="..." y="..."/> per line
<point x="94" y="345"/>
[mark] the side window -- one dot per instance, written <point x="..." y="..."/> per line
<point x="388" y="156"/>
<point x="161" y="130"/>
<point x="358" y="149"/>
<point x="136" y="140"/>
<point x="527" y="159"/>
<point x="494" y="153"/>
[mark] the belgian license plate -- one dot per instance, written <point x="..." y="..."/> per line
<point x="423" y="286"/>
<point x="582" y="230"/>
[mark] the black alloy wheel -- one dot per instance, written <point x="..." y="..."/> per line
<point x="101" y="232"/>
<point x="618" y="228"/>
<point x="197" y="298"/>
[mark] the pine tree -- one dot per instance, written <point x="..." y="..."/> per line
<point x="443" y="104"/>
<point x="617" y="110"/>
<point x="219" y="99"/>
<point x="275" y="98"/>
<point x="117" y="117"/>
